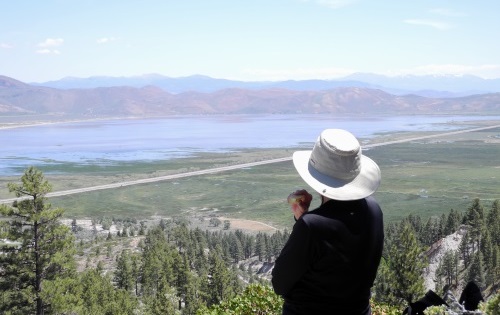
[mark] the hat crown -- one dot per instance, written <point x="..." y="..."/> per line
<point x="337" y="154"/>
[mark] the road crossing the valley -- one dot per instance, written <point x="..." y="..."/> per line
<point x="232" y="167"/>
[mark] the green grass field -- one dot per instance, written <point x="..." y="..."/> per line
<point x="427" y="178"/>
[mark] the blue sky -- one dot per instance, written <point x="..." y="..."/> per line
<point x="42" y="40"/>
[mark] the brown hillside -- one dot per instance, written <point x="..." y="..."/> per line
<point x="19" y="98"/>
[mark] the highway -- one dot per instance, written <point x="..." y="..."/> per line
<point x="231" y="167"/>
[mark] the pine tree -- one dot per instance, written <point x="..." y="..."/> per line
<point x="477" y="227"/>
<point x="158" y="256"/>
<point x="136" y="272"/>
<point x="495" y="268"/>
<point x="163" y="301"/>
<point x="194" y="295"/>
<point x="249" y="246"/>
<point x="464" y="249"/>
<point x="475" y="207"/>
<point x="442" y="226"/>
<point x="476" y="270"/>
<point x="416" y="223"/>
<point x="406" y="263"/>
<point x="493" y="222"/>
<point x="236" y="249"/>
<point x="447" y="268"/>
<point x="431" y="232"/>
<point x="220" y="279"/>
<point x="487" y="251"/>
<point x="99" y="296"/>
<point x="452" y="222"/>
<point x="123" y="277"/>
<point x="43" y="249"/>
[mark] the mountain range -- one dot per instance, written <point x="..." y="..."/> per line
<point x="429" y="86"/>
<point x="155" y="95"/>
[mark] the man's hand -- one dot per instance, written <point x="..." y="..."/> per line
<point x="299" y="202"/>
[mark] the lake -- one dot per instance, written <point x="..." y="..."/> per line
<point x="108" y="141"/>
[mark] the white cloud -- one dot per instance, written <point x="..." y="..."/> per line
<point x="435" y="24"/>
<point x="47" y="46"/>
<point x="46" y="51"/>
<point x="6" y="46"/>
<point x="51" y="42"/>
<point x="105" y="40"/>
<point x="446" y="12"/>
<point x="332" y="4"/>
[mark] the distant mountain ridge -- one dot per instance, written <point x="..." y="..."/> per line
<point x="429" y="86"/>
<point x="18" y="98"/>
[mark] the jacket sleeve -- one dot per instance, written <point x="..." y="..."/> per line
<point x="293" y="260"/>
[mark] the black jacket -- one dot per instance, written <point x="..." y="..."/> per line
<point x="329" y="263"/>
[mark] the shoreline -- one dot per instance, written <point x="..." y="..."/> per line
<point x="40" y="121"/>
<point x="36" y="123"/>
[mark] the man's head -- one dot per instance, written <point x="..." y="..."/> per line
<point x="335" y="167"/>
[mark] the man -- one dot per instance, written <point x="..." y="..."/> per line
<point x="330" y="261"/>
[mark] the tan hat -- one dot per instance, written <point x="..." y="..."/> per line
<point x="336" y="168"/>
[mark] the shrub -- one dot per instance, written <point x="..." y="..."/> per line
<point x="384" y="309"/>
<point x="256" y="299"/>
<point x="436" y="310"/>
<point x="492" y="306"/>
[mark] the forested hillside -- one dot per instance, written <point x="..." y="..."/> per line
<point x="171" y="268"/>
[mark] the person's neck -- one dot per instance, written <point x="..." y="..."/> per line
<point x="324" y="199"/>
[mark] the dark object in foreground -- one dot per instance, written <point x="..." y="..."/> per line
<point x="471" y="296"/>
<point x="418" y="307"/>
<point x="469" y="300"/>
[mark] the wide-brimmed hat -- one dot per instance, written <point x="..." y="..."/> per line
<point x="336" y="168"/>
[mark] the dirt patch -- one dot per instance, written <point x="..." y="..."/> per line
<point x="249" y="225"/>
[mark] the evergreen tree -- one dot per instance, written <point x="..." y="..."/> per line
<point x="477" y="227"/>
<point x="475" y="207"/>
<point x="493" y="222"/>
<point x="193" y="299"/>
<point x="236" y="249"/>
<point x="416" y="223"/>
<point x="163" y="301"/>
<point x="487" y="250"/>
<point x="452" y="222"/>
<point x="464" y="249"/>
<point x="136" y="272"/>
<point x="43" y="249"/>
<point x="495" y="267"/>
<point x="249" y="246"/>
<point x="476" y="270"/>
<point x="220" y="279"/>
<point x="447" y="268"/>
<point x="442" y="226"/>
<point x="158" y="257"/>
<point x="200" y="262"/>
<point x="431" y="232"/>
<point x="181" y="271"/>
<point x="405" y="266"/>
<point x="65" y="295"/>
<point x="180" y="234"/>
<point x="124" y="278"/>
<point x="99" y="296"/>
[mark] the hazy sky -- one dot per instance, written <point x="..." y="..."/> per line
<point x="42" y="40"/>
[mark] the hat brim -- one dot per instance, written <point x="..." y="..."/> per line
<point x="362" y="186"/>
